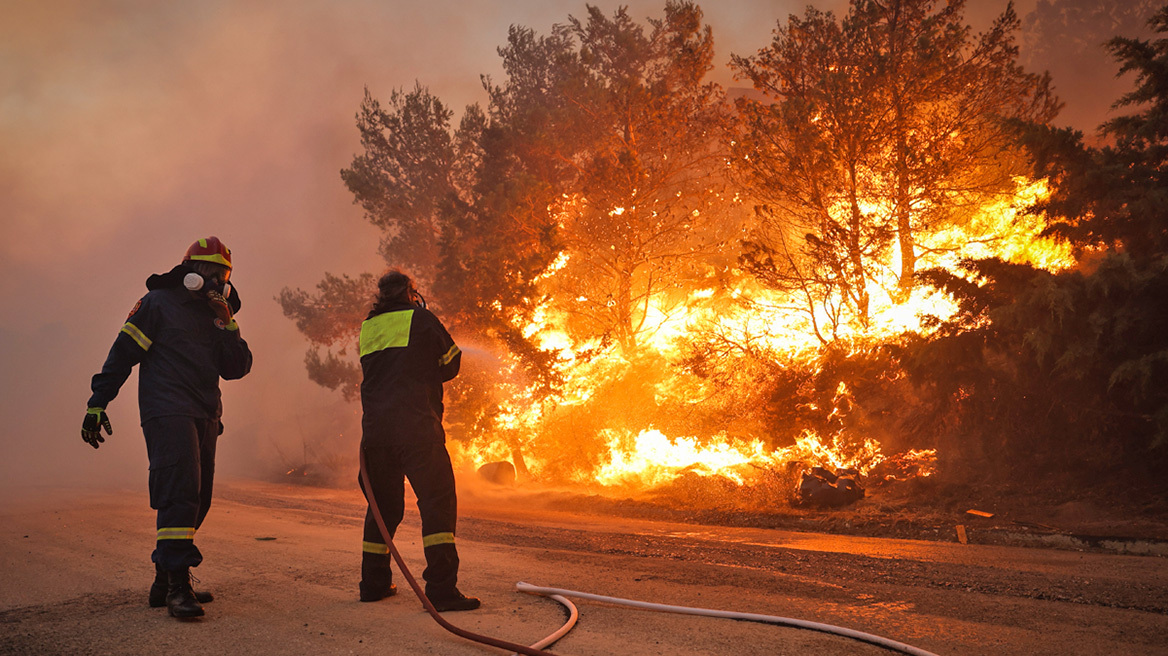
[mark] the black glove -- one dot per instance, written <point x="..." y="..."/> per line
<point x="95" y="420"/>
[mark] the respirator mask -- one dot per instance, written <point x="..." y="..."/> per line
<point x="416" y="297"/>
<point x="196" y="282"/>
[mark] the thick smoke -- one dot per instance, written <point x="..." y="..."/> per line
<point x="132" y="128"/>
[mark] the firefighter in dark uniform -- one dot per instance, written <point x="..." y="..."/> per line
<point x="184" y="336"/>
<point x="406" y="355"/>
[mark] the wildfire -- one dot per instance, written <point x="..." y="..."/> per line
<point x="751" y="317"/>
<point x="651" y="459"/>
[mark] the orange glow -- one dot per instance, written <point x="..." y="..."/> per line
<point x="747" y="314"/>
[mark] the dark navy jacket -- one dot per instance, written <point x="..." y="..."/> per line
<point x="406" y="355"/>
<point x="171" y="333"/>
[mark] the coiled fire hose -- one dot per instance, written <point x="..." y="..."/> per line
<point x="559" y="595"/>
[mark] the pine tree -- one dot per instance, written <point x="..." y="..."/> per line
<point x="876" y="130"/>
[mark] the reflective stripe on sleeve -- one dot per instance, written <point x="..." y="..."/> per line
<point x="374" y="548"/>
<point x="445" y="359"/>
<point x="388" y="330"/>
<point x="177" y="533"/>
<point x="437" y="538"/>
<point x="137" y="335"/>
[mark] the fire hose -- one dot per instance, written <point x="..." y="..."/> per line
<point x="559" y="595"/>
<point x="401" y="564"/>
<point x="748" y="617"/>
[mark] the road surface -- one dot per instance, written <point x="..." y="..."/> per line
<point x="283" y="562"/>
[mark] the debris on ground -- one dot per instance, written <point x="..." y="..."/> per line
<point x="820" y="487"/>
<point x="499" y="473"/>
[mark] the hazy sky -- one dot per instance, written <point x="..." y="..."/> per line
<point x="130" y="128"/>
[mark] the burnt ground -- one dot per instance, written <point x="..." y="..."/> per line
<point x="283" y="560"/>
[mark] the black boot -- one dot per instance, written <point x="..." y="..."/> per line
<point x="376" y="578"/>
<point x="452" y="601"/>
<point x="180" y="599"/>
<point x="158" y="590"/>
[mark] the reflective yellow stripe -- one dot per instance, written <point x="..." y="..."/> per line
<point x="445" y="360"/>
<point x="215" y="258"/>
<point x="374" y="548"/>
<point x="437" y="538"/>
<point x="137" y="335"/>
<point x="177" y="533"/>
<point x="389" y="330"/>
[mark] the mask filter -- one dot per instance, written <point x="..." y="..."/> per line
<point x="193" y="281"/>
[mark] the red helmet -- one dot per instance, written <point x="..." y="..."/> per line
<point x="209" y="250"/>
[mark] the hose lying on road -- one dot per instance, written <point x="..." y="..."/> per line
<point x="573" y="615"/>
<point x="749" y="617"/>
<point x="463" y="633"/>
<point x="559" y="595"/>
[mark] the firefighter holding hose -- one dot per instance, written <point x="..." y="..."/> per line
<point x="184" y="336"/>
<point x="406" y="356"/>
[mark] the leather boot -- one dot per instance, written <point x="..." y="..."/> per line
<point x="180" y="599"/>
<point x="376" y="578"/>
<point x="159" y="588"/>
<point x="452" y="601"/>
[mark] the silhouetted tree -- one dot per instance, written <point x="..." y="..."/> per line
<point x="331" y="318"/>
<point x="874" y="131"/>
<point x="619" y="121"/>
<point x="1069" y="371"/>
<point x="1068" y="38"/>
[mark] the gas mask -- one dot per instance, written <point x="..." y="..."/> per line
<point x="196" y="282"/>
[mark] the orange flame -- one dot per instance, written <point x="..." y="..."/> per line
<point x="750" y="314"/>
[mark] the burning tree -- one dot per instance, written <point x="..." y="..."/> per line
<point x="877" y="131"/>
<point x="1066" y="372"/>
<point x="632" y="135"/>
<point x="577" y="228"/>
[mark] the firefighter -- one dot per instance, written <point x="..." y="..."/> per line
<point x="406" y="356"/>
<point x="184" y="335"/>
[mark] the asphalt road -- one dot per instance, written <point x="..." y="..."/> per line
<point x="283" y="562"/>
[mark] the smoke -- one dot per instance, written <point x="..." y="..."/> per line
<point x="132" y="128"/>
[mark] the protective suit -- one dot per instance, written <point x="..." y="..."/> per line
<point x="406" y="356"/>
<point x="183" y="337"/>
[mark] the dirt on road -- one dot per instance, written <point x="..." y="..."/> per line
<point x="283" y="562"/>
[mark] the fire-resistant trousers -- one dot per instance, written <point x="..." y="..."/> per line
<point x="426" y="464"/>
<point x="182" y="470"/>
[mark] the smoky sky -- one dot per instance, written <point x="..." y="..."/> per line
<point x="128" y="129"/>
